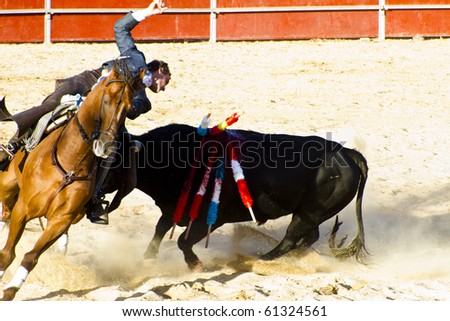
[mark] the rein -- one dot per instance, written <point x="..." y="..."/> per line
<point x="96" y="133"/>
<point x="69" y="177"/>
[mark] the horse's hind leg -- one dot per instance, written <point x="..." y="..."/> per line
<point x="4" y="216"/>
<point x="16" y="228"/>
<point x="6" y="210"/>
<point x="300" y="233"/>
<point x="8" y="193"/>
<point x="54" y="229"/>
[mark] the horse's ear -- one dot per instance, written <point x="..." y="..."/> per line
<point x="142" y="74"/>
<point x="113" y="73"/>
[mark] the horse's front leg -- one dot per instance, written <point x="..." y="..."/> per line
<point x="54" y="229"/>
<point x="63" y="241"/>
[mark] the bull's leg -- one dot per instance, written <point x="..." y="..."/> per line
<point x="197" y="232"/>
<point x="54" y="229"/>
<point x="162" y="227"/>
<point x="299" y="234"/>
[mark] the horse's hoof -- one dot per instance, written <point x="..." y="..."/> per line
<point x="196" y="266"/>
<point x="9" y="294"/>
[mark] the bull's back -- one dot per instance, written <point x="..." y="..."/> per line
<point x="280" y="170"/>
<point x="283" y="171"/>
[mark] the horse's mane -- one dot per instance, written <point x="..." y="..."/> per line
<point x="122" y="71"/>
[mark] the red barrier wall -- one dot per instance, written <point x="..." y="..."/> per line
<point x="297" y="25"/>
<point x="21" y="28"/>
<point x="331" y="23"/>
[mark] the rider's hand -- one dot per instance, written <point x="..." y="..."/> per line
<point x="156" y="7"/>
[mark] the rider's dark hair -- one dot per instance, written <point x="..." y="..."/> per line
<point x="155" y="65"/>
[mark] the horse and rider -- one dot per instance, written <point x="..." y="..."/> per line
<point x="156" y="79"/>
<point x="60" y="176"/>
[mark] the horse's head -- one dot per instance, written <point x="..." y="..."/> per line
<point x="112" y="98"/>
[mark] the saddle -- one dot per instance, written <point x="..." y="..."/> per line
<point x="53" y="120"/>
<point x="44" y="126"/>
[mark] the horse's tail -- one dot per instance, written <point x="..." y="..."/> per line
<point x="357" y="247"/>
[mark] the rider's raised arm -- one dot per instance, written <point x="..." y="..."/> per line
<point x="123" y="27"/>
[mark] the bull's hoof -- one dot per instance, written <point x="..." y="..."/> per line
<point x="268" y="256"/>
<point x="195" y="266"/>
<point x="9" y="294"/>
<point x="150" y="254"/>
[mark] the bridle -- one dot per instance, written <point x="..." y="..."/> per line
<point x="70" y="176"/>
<point x="96" y="133"/>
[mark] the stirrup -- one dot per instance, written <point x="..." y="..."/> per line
<point x="102" y="219"/>
<point x="99" y="213"/>
<point x="8" y="149"/>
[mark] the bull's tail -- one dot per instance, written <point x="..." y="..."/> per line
<point x="357" y="247"/>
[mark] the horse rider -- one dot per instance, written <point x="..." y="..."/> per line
<point x="156" y="79"/>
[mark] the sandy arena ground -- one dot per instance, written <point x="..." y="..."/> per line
<point x="390" y="98"/>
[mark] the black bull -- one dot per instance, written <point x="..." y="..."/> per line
<point x="310" y="177"/>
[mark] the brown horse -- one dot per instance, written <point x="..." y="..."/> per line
<point x="57" y="178"/>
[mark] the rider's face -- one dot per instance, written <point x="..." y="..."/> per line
<point x="159" y="81"/>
